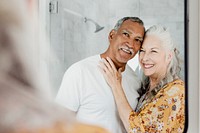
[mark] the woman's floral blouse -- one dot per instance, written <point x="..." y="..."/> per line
<point x="164" y="113"/>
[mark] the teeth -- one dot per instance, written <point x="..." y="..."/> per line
<point x="126" y="50"/>
<point x="148" y="66"/>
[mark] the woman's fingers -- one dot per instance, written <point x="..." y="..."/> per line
<point x="117" y="73"/>
<point x="111" y="64"/>
<point x="120" y="71"/>
<point x="106" y="73"/>
<point x="108" y="65"/>
<point x="109" y="71"/>
<point x="109" y="68"/>
<point x="105" y="65"/>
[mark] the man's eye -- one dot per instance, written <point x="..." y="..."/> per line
<point x="138" y="40"/>
<point x="126" y="34"/>
<point x="141" y="50"/>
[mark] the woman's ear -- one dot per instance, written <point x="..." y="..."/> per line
<point x="111" y="34"/>
<point x="170" y="56"/>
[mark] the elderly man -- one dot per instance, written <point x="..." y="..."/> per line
<point x="84" y="89"/>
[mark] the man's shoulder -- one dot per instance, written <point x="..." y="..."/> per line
<point x="85" y="63"/>
<point x="94" y="58"/>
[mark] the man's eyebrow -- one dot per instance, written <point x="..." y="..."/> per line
<point x="130" y="32"/>
<point x="127" y="31"/>
<point x="140" y="38"/>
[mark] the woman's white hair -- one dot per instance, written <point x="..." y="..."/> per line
<point x="173" y="68"/>
<point x="168" y="43"/>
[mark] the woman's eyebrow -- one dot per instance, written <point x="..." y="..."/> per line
<point x="155" y="48"/>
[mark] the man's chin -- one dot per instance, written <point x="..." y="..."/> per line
<point x="125" y="60"/>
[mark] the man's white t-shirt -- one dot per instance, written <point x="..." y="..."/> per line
<point x="85" y="91"/>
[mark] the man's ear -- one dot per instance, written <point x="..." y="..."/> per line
<point x="112" y="34"/>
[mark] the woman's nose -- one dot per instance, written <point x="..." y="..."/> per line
<point x="145" y="57"/>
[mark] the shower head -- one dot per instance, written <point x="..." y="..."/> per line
<point x="98" y="27"/>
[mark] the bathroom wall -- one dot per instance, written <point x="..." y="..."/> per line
<point x="193" y="52"/>
<point x="73" y="39"/>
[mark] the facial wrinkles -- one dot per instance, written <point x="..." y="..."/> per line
<point x="157" y="62"/>
<point x="146" y="62"/>
<point x="134" y="34"/>
<point x="145" y="59"/>
<point x="130" y="36"/>
<point x="125" y="42"/>
<point x="150" y="47"/>
<point x="124" y="47"/>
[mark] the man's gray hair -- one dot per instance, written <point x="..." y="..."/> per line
<point x="133" y="19"/>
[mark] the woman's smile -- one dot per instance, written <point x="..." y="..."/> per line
<point x="148" y="66"/>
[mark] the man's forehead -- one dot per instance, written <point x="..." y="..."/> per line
<point x="139" y="35"/>
<point x="131" y="25"/>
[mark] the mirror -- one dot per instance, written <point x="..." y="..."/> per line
<point x="73" y="38"/>
<point x="79" y="29"/>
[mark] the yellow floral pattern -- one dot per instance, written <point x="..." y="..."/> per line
<point x="164" y="113"/>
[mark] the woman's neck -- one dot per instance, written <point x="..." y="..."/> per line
<point x="155" y="80"/>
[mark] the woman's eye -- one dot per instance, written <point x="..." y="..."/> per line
<point x="153" y="51"/>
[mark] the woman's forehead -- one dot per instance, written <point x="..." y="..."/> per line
<point x="152" y="41"/>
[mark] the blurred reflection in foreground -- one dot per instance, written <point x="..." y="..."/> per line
<point x="24" y="106"/>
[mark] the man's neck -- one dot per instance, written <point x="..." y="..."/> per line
<point x="117" y="65"/>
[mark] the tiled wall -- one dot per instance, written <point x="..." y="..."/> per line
<point x="72" y="39"/>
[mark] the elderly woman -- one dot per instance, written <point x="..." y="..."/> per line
<point x="161" y="104"/>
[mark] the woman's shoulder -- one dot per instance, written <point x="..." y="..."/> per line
<point x="176" y="82"/>
<point x="175" y="87"/>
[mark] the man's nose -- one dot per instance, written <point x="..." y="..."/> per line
<point x="131" y="43"/>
